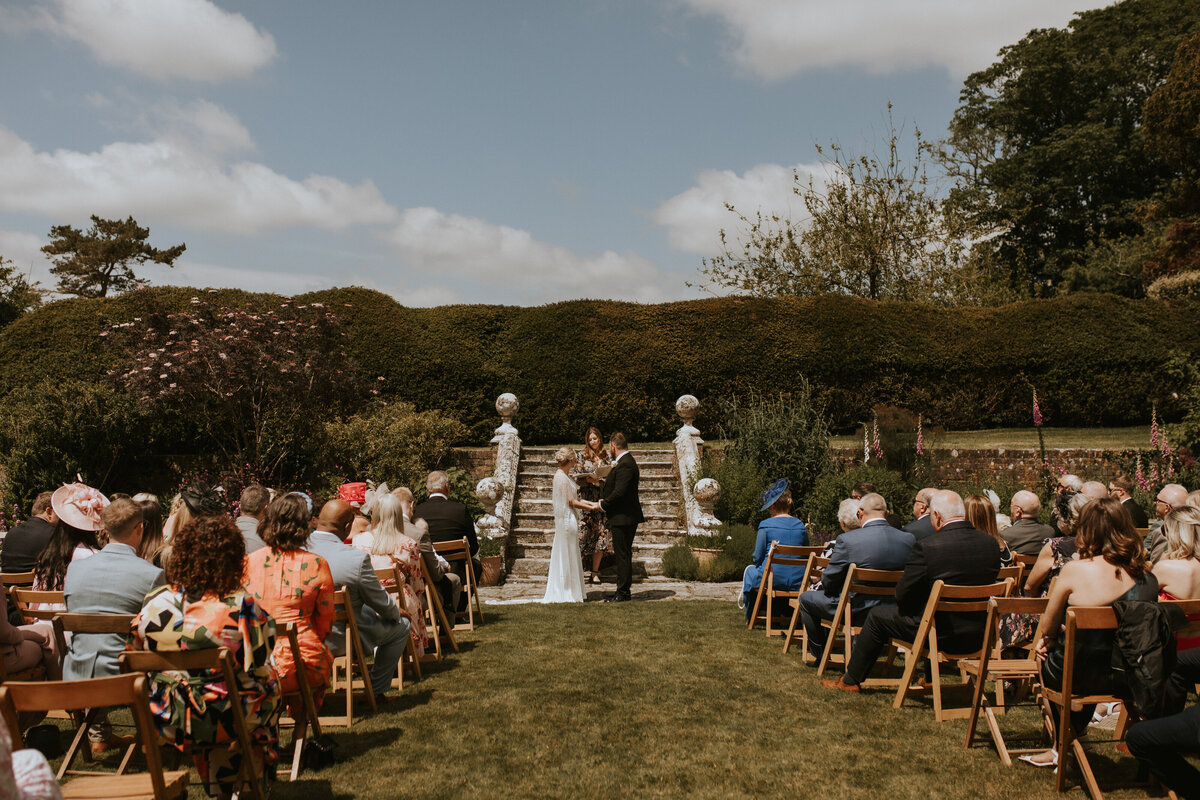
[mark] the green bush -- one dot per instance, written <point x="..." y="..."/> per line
<point x="391" y="443"/>
<point x="1183" y="285"/>
<point x="820" y="507"/>
<point x="739" y="544"/>
<point x="742" y="483"/>
<point x="720" y="569"/>
<point x="679" y="562"/>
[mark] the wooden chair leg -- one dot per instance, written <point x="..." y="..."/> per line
<point x="757" y="602"/>
<point x="791" y="631"/>
<point x="299" y="736"/>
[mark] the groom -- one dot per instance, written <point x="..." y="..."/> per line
<point x="619" y="501"/>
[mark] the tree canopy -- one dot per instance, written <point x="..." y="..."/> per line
<point x="17" y="295"/>
<point x="92" y="263"/>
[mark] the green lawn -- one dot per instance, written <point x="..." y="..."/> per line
<point x="651" y="700"/>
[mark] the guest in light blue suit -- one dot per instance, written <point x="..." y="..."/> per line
<point x="873" y="545"/>
<point x="782" y="528"/>
<point x="380" y="624"/>
<point x="113" y="581"/>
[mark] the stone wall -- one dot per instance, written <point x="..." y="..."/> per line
<point x="1015" y="467"/>
<point x="479" y="462"/>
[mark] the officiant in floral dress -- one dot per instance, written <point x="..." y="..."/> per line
<point x="594" y="538"/>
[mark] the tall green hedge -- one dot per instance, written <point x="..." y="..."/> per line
<point x="1095" y="359"/>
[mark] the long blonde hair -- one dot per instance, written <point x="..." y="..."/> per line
<point x="387" y="525"/>
<point x="1182" y="529"/>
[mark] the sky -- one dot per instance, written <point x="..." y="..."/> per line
<point x="482" y="151"/>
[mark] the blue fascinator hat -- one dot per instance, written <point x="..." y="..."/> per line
<point x="773" y="493"/>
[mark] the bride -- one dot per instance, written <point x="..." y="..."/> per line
<point x="564" y="582"/>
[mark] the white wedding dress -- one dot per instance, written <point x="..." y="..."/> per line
<point x="564" y="581"/>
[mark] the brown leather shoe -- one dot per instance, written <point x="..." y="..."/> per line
<point x="113" y="742"/>
<point x="840" y="684"/>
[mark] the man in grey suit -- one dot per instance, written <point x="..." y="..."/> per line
<point x="873" y="545"/>
<point x="252" y="507"/>
<point x="380" y="624"/>
<point x="113" y="581"/>
<point x="1026" y="535"/>
<point x="922" y="526"/>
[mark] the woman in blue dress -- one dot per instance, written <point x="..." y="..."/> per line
<point x="780" y="527"/>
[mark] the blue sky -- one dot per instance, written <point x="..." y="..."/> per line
<point x="493" y="151"/>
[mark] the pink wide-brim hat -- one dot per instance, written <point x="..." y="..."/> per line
<point x="79" y="505"/>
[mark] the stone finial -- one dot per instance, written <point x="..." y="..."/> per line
<point x="706" y="493"/>
<point x="686" y="407"/>
<point x="507" y="407"/>
<point x="489" y="491"/>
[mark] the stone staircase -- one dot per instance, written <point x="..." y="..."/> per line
<point x="533" y="515"/>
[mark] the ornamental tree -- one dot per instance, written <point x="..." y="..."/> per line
<point x="89" y="264"/>
<point x="253" y="384"/>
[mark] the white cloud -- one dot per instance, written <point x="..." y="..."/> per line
<point x="25" y="251"/>
<point x="187" y="182"/>
<point x="498" y="255"/>
<point x="161" y="39"/>
<point x="202" y="125"/>
<point x="694" y="218"/>
<point x="778" y="38"/>
<point x="427" y="297"/>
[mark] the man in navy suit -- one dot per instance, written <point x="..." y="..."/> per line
<point x="922" y="526"/>
<point x="957" y="554"/>
<point x="874" y="545"/>
<point x="623" y="508"/>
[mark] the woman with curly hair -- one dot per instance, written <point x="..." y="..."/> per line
<point x="203" y="605"/>
<point x="294" y="585"/>
<point x="1111" y="566"/>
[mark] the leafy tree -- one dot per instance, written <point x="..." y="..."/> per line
<point x="875" y="230"/>
<point x="244" y="381"/>
<point x="17" y="295"/>
<point x="1048" y="146"/>
<point x="91" y="263"/>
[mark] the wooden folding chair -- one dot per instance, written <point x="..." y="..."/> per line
<point x="65" y="623"/>
<point x="814" y="569"/>
<point x="118" y="690"/>
<point x="22" y="579"/>
<point x="26" y="600"/>
<point x="353" y="657"/>
<point x="859" y="582"/>
<point x="392" y="581"/>
<point x="779" y="555"/>
<point x="214" y="661"/>
<point x="945" y="598"/>
<point x="311" y="719"/>
<point x="1013" y="572"/>
<point x="991" y="666"/>
<point x="457" y="551"/>
<point x="1027" y="562"/>
<point x="435" y="617"/>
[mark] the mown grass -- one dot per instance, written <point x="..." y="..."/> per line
<point x="651" y="700"/>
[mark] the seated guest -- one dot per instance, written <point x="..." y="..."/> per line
<point x="294" y="585"/>
<point x="864" y="488"/>
<point x="380" y="624"/>
<point x="1095" y="490"/>
<point x="1026" y="535"/>
<point x="848" y="518"/>
<point x="113" y="581"/>
<point x="1121" y="488"/>
<point x="153" y="544"/>
<point x="1169" y="498"/>
<point x="1161" y="743"/>
<point x="76" y="536"/>
<point x="957" y="554"/>
<point x="875" y="545"/>
<point x="177" y="517"/>
<point x="449" y="521"/>
<point x="26" y="541"/>
<point x="25" y="774"/>
<point x="390" y="543"/>
<point x="355" y="494"/>
<point x="25" y="647"/>
<point x="1178" y="572"/>
<point x="779" y="528"/>
<point x="1067" y="484"/>
<point x="252" y="509"/>
<point x="203" y="605"/>
<point x="982" y="516"/>
<point x="921" y="526"/>
<point x="1111" y="566"/>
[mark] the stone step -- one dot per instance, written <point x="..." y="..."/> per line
<point x="536" y="537"/>
<point x="647" y="560"/>
<point x="655" y="469"/>
<point x="651" y="506"/>
<point x="652" y="523"/>
<point x="669" y="491"/>
<point x="638" y="452"/>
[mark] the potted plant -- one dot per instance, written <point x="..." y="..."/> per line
<point x="491" y="559"/>
<point x="707" y="547"/>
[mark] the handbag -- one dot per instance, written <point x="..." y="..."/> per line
<point x="319" y="752"/>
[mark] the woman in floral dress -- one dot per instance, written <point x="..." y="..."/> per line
<point x="389" y="544"/>
<point x="203" y="606"/>
<point x="294" y="585"/>
<point x="594" y="537"/>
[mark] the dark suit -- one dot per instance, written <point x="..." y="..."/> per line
<point x="958" y="554"/>
<point x="1027" y="536"/>
<point x="876" y="545"/>
<point x="449" y="521"/>
<point x="1140" y="520"/>
<point x="920" y="527"/>
<point x="24" y="543"/>
<point x="623" y="509"/>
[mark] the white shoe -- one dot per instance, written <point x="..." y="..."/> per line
<point x="1046" y="758"/>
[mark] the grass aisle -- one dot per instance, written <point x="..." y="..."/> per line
<point x="649" y="700"/>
